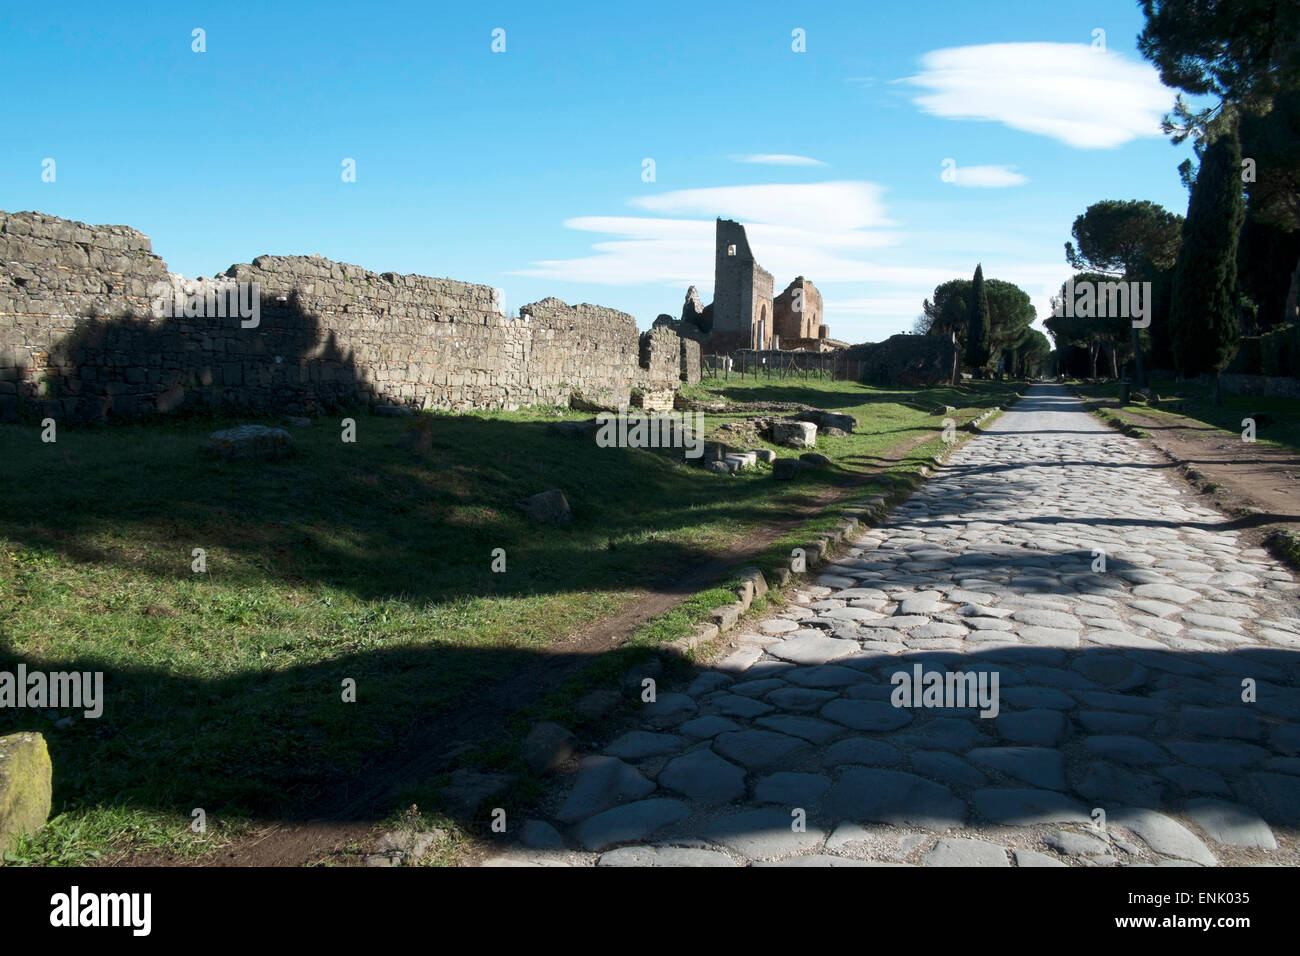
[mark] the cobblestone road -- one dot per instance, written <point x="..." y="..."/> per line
<point x="1121" y="735"/>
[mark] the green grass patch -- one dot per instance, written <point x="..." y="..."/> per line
<point x="1196" y="401"/>
<point x="356" y="562"/>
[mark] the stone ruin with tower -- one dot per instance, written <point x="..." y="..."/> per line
<point x="745" y="313"/>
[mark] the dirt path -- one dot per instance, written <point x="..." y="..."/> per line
<point x="349" y="817"/>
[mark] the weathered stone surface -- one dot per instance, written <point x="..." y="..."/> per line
<point x="762" y="834"/>
<point x="1069" y="843"/>
<point x="602" y="782"/>
<point x="251" y="442"/>
<point x="959" y="852"/>
<point x="793" y="434"/>
<point x="807" y="728"/>
<point x="1038" y="766"/>
<point x="792" y="789"/>
<point x="1041" y="727"/>
<point x="1032" y="858"/>
<point x="709" y="726"/>
<point x="1025" y="807"/>
<point x="1162" y="834"/>
<point x="540" y="835"/>
<point x="704" y="777"/>
<point x="757" y="749"/>
<point x="639" y="744"/>
<point x="1231" y="823"/>
<point x="469" y="791"/>
<point x="26" y="776"/>
<point x="548" y="507"/>
<point x="299" y="335"/>
<point x="629" y="823"/>
<point x="547" y="746"/>
<point x="664" y="856"/>
<point x="812" y="649"/>
<point x="894" y="797"/>
<point x="985" y="568"/>
<point x="866" y="714"/>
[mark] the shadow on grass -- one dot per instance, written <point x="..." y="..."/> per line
<point x="1130" y="726"/>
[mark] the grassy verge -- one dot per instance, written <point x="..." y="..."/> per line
<point x="349" y="562"/>
<point x="1277" y="419"/>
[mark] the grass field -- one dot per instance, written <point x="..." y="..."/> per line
<point x="1197" y="401"/>
<point x="357" y="561"/>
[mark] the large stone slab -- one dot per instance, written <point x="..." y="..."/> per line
<point x="763" y="834"/>
<point x="1027" y="807"/>
<point x="891" y="796"/>
<point x="704" y="777"/>
<point x="602" y="782"/>
<point x="629" y="823"/>
<point x="664" y="856"/>
<point x="1163" y="834"/>
<point x="756" y="749"/>
<point x="1231" y="823"/>
<point x="812" y="649"/>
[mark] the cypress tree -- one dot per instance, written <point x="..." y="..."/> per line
<point x="977" y="331"/>
<point x="1203" y="305"/>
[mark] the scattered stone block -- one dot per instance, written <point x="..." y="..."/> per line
<point x="547" y="747"/>
<point x="823" y="419"/>
<point x="794" y="434"/>
<point x="254" y="442"/>
<point x="548" y="507"/>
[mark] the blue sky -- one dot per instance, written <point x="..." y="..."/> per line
<point x="524" y="169"/>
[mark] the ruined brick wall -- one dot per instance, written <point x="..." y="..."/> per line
<point x="690" y="361"/>
<point x="798" y="313"/>
<point x="79" y="337"/>
<point x="742" y="292"/>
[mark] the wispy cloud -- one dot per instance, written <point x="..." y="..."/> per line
<point x="987" y="177"/>
<point x="839" y="234"/>
<point x="804" y="228"/>
<point x="1086" y="98"/>
<point x="822" y="207"/>
<point x="779" y="159"/>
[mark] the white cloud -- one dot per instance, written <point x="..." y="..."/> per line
<point x="1090" y="99"/>
<point x="820" y="207"/>
<point x="873" y="278"/>
<point x="804" y="229"/>
<point x="779" y="159"/>
<point x="987" y="177"/>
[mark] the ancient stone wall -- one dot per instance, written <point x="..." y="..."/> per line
<point x="902" y="360"/>
<point x="92" y="325"/>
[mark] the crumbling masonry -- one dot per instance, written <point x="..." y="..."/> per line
<point x="79" y="337"/>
